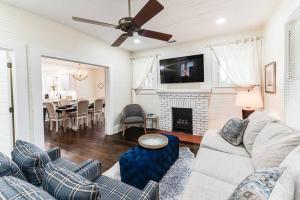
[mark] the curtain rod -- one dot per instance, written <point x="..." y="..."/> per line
<point x="146" y="56"/>
<point x="257" y="38"/>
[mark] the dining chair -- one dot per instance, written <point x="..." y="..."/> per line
<point x="96" y="112"/>
<point x="64" y="102"/>
<point x="82" y="113"/>
<point x="54" y="117"/>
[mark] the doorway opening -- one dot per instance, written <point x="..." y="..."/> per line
<point x="74" y="97"/>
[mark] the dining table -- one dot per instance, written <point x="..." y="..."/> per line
<point x="63" y="110"/>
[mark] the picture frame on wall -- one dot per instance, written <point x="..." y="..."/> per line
<point x="270" y="78"/>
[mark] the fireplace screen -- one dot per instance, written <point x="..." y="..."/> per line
<point x="183" y="120"/>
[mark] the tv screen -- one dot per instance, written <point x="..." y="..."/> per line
<point x="182" y="70"/>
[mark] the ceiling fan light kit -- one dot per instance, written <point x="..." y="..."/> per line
<point x="133" y="25"/>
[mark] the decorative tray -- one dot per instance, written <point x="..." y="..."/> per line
<point x="153" y="141"/>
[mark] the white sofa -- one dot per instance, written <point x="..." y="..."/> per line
<point x="219" y="167"/>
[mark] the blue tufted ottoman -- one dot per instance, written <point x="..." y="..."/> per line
<point x="139" y="165"/>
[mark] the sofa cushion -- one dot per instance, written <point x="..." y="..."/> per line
<point x="258" y="185"/>
<point x="213" y="140"/>
<point x="31" y="161"/>
<point x="14" y="188"/>
<point x="10" y="168"/>
<point x="273" y="144"/>
<point x="223" y="166"/>
<point x="291" y="158"/>
<point x="257" y="121"/>
<point x="233" y="131"/>
<point x="204" y="187"/>
<point x="63" y="184"/>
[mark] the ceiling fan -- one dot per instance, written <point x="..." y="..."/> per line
<point x="133" y="25"/>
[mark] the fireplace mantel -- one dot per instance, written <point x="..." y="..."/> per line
<point x="203" y="91"/>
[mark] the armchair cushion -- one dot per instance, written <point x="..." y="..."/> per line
<point x="90" y="171"/>
<point x="63" y="184"/>
<point x="54" y="153"/>
<point x="133" y="120"/>
<point x="14" y="188"/>
<point x="31" y="161"/>
<point x="113" y="190"/>
<point x="10" y="168"/>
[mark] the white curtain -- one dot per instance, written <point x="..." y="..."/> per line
<point x="141" y="67"/>
<point x="239" y="63"/>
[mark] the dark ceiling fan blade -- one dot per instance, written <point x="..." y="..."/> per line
<point x="120" y="40"/>
<point x="155" y="35"/>
<point x="78" y="19"/>
<point x="152" y="8"/>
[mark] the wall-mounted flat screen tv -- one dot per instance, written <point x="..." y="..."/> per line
<point x="182" y="70"/>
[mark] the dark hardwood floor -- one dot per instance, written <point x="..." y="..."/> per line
<point x="92" y="143"/>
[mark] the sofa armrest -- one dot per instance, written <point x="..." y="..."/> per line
<point x="54" y="153"/>
<point x="150" y="192"/>
<point x="91" y="171"/>
<point x="83" y="165"/>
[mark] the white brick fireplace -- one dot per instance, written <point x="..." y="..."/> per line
<point x="197" y="100"/>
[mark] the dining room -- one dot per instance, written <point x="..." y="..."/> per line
<point x="73" y="96"/>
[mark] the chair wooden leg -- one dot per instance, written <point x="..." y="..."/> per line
<point x="145" y="128"/>
<point x="56" y="129"/>
<point x="124" y="129"/>
<point x="51" y="125"/>
<point x="87" y="121"/>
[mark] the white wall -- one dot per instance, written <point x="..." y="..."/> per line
<point x="274" y="50"/>
<point x="222" y="101"/>
<point x="45" y="37"/>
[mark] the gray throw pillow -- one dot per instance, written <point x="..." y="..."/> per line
<point x="233" y="131"/>
<point x="258" y="185"/>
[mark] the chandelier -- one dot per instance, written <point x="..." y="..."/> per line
<point x="79" y="74"/>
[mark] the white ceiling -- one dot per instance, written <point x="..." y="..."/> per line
<point x="187" y="20"/>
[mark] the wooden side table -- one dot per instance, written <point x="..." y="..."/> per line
<point x="154" y="119"/>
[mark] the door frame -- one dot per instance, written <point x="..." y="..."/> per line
<point x="20" y="88"/>
<point x="35" y="54"/>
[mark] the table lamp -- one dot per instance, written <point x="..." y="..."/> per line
<point x="249" y="100"/>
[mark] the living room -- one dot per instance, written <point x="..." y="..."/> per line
<point x="170" y="94"/>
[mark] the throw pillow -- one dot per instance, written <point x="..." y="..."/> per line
<point x="10" y="168"/>
<point x="258" y="185"/>
<point x="14" y="188"/>
<point x="63" y="184"/>
<point x="257" y="121"/>
<point x="31" y="161"/>
<point x="233" y="131"/>
<point x="273" y="144"/>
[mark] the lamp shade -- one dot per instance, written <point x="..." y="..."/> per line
<point x="249" y="99"/>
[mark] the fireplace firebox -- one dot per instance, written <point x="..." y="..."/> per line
<point x="182" y="120"/>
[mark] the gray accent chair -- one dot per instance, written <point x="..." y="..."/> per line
<point x="133" y="115"/>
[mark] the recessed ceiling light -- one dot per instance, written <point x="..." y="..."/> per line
<point x="221" y="21"/>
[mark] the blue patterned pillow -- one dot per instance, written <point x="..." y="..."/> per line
<point x="233" y="131"/>
<point x="10" y="168"/>
<point x="63" y="184"/>
<point x="258" y="185"/>
<point x="31" y="161"/>
<point x="14" y="188"/>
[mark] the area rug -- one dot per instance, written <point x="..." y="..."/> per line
<point x="173" y="183"/>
